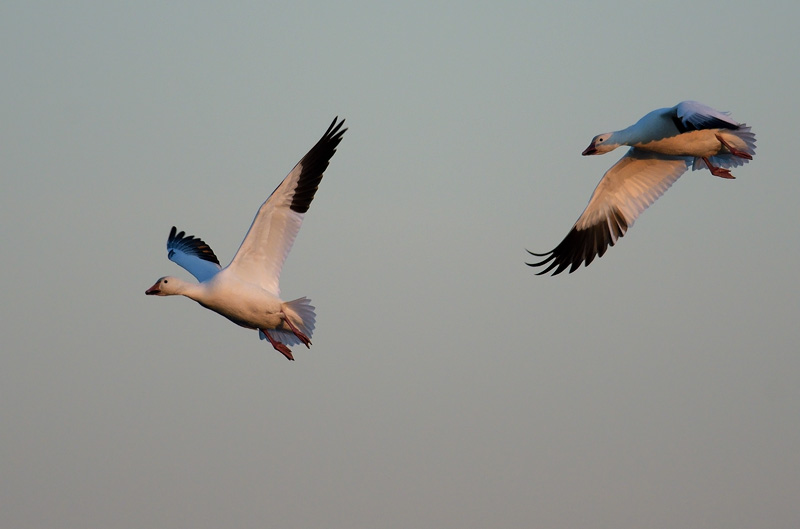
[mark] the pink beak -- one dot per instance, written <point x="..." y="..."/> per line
<point x="153" y="290"/>
<point x="591" y="149"/>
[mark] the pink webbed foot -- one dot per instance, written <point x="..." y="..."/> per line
<point x="733" y="150"/>
<point x="281" y="348"/>
<point x="297" y="332"/>
<point x="718" y="171"/>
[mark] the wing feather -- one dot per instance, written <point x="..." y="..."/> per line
<point x="264" y="249"/>
<point x="624" y="192"/>
<point x="193" y="254"/>
<point x="697" y="116"/>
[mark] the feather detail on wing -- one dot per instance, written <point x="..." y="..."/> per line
<point x="697" y="116"/>
<point x="261" y="256"/>
<point x="624" y="192"/>
<point x="192" y="254"/>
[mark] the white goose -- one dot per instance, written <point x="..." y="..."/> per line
<point x="664" y="144"/>
<point x="246" y="291"/>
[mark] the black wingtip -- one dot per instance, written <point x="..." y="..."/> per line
<point x="550" y="257"/>
<point x="334" y="127"/>
<point x="583" y="246"/>
<point x="314" y="164"/>
<point x="538" y="254"/>
<point x="190" y="244"/>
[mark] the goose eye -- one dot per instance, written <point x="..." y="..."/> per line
<point x="165" y="281"/>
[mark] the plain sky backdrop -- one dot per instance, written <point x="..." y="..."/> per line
<point x="448" y="386"/>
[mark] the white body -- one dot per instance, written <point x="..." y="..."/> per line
<point x="664" y="144"/>
<point x="247" y="291"/>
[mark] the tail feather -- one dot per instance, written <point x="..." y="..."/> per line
<point x="745" y="140"/>
<point x="301" y="312"/>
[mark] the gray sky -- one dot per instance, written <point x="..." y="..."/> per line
<point x="447" y="385"/>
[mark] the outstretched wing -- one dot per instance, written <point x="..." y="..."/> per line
<point x="624" y="192"/>
<point x="193" y="254"/>
<point x="261" y="256"/>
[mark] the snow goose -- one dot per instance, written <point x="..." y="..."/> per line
<point x="246" y="291"/>
<point x="663" y="145"/>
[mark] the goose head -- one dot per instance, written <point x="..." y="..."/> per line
<point x="601" y="144"/>
<point x="166" y="286"/>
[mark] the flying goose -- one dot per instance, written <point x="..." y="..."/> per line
<point x="663" y="145"/>
<point x="246" y="291"/>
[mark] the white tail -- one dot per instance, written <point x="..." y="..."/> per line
<point x="742" y="139"/>
<point x="301" y="312"/>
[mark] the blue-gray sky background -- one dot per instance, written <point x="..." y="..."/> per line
<point x="447" y="385"/>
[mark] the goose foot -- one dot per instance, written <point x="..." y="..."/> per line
<point x="281" y="348"/>
<point x="718" y="171"/>
<point x="297" y="332"/>
<point x="733" y="150"/>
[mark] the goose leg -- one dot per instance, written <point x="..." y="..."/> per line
<point x="733" y="150"/>
<point x="718" y="171"/>
<point x="281" y="348"/>
<point x="297" y="332"/>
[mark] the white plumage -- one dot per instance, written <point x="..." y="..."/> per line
<point x="247" y="291"/>
<point x="664" y="144"/>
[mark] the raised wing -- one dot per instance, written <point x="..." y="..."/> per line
<point x="624" y="192"/>
<point x="261" y="256"/>
<point x="697" y="116"/>
<point x="193" y="254"/>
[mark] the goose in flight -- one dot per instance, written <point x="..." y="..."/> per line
<point x="246" y="291"/>
<point x="664" y="144"/>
